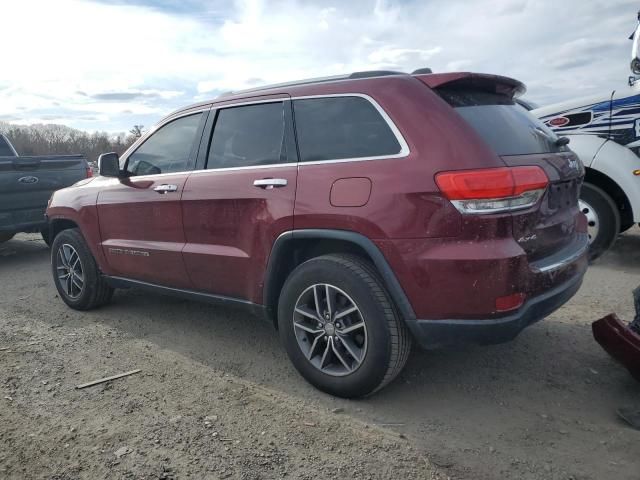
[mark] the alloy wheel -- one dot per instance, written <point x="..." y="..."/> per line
<point x="330" y="330"/>
<point x="69" y="270"/>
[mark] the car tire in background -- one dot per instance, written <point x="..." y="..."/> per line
<point x="603" y="219"/>
<point x="46" y="236"/>
<point x="5" y="237"/>
<point x="626" y="226"/>
<point x="350" y="345"/>
<point x="75" y="272"/>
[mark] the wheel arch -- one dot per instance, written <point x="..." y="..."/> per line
<point x="57" y="225"/>
<point x="295" y="247"/>
<point x="611" y="188"/>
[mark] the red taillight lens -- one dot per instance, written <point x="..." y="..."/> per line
<point x="490" y="183"/>
<point x="526" y="179"/>
<point x="493" y="190"/>
<point x="89" y="172"/>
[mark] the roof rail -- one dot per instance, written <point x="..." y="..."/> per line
<point x="374" y="73"/>
<point x="352" y="76"/>
<point x="287" y="84"/>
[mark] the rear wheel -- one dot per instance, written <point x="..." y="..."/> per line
<point x="75" y="272"/>
<point x="339" y="327"/>
<point x="5" y="237"/>
<point x="603" y="219"/>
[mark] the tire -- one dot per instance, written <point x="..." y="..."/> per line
<point x="603" y="217"/>
<point x="46" y="237"/>
<point x="5" y="237"/>
<point x="382" y="344"/>
<point x="626" y="226"/>
<point x="88" y="289"/>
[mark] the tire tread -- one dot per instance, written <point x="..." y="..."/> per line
<point x="399" y="333"/>
<point x="99" y="291"/>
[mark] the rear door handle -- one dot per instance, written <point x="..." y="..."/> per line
<point x="269" y="183"/>
<point x="165" y="188"/>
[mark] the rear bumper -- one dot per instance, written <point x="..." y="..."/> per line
<point x="431" y="334"/>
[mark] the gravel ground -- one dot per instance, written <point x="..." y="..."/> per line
<point x="214" y="379"/>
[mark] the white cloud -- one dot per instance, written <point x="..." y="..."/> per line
<point x="106" y="66"/>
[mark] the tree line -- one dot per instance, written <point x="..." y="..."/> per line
<point x="51" y="139"/>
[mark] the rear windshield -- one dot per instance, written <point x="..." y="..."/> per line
<point x="5" y="149"/>
<point x="505" y="125"/>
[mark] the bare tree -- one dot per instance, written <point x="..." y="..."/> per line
<point x="60" y="140"/>
<point x="137" y="131"/>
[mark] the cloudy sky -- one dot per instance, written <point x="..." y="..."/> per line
<point x="110" y="64"/>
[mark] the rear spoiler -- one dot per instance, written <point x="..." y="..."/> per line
<point x="476" y="81"/>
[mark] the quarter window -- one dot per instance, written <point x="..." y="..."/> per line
<point x="249" y="135"/>
<point x="334" y="128"/>
<point x="168" y="149"/>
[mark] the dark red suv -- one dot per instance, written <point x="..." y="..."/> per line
<point x="357" y="213"/>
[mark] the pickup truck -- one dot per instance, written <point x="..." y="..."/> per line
<point x="26" y="184"/>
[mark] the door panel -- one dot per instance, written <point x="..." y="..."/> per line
<point x="140" y="216"/>
<point x="234" y="211"/>
<point x="141" y="229"/>
<point x="230" y="226"/>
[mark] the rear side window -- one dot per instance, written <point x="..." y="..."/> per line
<point x="168" y="149"/>
<point x="247" y="136"/>
<point x="505" y="125"/>
<point x="335" y="128"/>
<point x="5" y="149"/>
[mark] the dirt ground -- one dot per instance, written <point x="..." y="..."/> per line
<point x="217" y="398"/>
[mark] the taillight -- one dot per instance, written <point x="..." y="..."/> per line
<point x="89" y="172"/>
<point x="493" y="190"/>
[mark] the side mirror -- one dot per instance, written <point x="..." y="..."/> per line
<point x="109" y="165"/>
<point x="635" y="50"/>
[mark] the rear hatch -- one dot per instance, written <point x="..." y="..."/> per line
<point x="26" y="183"/>
<point x="486" y="103"/>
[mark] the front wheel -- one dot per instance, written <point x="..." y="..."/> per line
<point x="339" y="327"/>
<point x="75" y="272"/>
<point x="603" y="219"/>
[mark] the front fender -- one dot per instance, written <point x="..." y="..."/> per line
<point x="77" y="204"/>
<point x="586" y="147"/>
<point x="618" y="163"/>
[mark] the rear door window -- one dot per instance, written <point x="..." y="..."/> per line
<point x="336" y="128"/>
<point x="503" y="124"/>
<point x="250" y="135"/>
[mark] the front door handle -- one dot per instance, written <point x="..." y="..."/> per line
<point x="269" y="183"/>
<point x="165" y="188"/>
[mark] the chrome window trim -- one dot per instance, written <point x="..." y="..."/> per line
<point x="249" y="167"/>
<point x="404" y="147"/>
